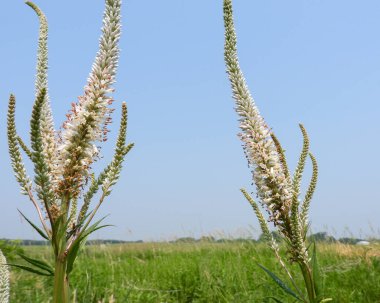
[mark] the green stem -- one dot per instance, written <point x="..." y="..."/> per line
<point x="309" y="283"/>
<point x="61" y="282"/>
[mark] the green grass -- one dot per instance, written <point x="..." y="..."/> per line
<point x="200" y="272"/>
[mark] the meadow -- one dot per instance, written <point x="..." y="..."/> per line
<point x="199" y="272"/>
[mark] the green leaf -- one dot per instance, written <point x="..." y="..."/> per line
<point x="58" y="232"/>
<point x="89" y="230"/>
<point x="43" y="235"/>
<point x="326" y="300"/>
<point x="32" y="270"/>
<point x="40" y="264"/>
<point x="80" y="241"/>
<point x="71" y="257"/>
<point x="280" y="283"/>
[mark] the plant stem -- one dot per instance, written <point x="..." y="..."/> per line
<point x="61" y="282"/>
<point x="309" y="283"/>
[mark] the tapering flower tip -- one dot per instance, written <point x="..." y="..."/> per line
<point x="269" y="176"/>
<point x="4" y="280"/>
<point x="41" y="82"/>
<point x="30" y="3"/>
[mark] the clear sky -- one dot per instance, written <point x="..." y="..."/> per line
<point x="315" y="62"/>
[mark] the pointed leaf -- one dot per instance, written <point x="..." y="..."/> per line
<point x="78" y="244"/>
<point x="32" y="270"/>
<point x="38" y="263"/>
<point x="89" y="232"/>
<point x="71" y="257"/>
<point x="57" y="233"/>
<point x="80" y="241"/>
<point x="280" y="283"/>
<point x="42" y="234"/>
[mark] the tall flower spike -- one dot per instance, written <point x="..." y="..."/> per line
<point x="4" y="280"/>
<point x="263" y="223"/>
<point x="309" y="194"/>
<point x="47" y="123"/>
<point x="121" y="150"/>
<point x="273" y="187"/>
<point x="42" y="180"/>
<point x="87" y="122"/>
<point x="297" y="235"/>
<point x="278" y="192"/>
<point x="14" y="150"/>
<point x="111" y="173"/>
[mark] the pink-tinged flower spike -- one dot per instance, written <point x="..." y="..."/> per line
<point x="273" y="186"/>
<point x="87" y="122"/>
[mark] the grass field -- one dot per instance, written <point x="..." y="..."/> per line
<point x="199" y="272"/>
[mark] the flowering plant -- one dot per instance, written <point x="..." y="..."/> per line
<point x="277" y="189"/>
<point x="63" y="159"/>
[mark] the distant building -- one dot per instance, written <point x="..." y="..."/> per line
<point x="362" y="242"/>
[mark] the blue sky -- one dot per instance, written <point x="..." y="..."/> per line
<point x="315" y="62"/>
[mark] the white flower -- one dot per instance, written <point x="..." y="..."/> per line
<point x="272" y="185"/>
<point x="88" y="119"/>
<point x="4" y="280"/>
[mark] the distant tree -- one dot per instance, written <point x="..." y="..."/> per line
<point x="347" y="240"/>
<point x="207" y="239"/>
<point x="185" y="240"/>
